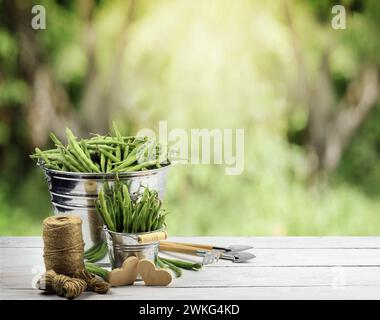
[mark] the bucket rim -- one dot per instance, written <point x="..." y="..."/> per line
<point x="131" y="235"/>
<point x="114" y="175"/>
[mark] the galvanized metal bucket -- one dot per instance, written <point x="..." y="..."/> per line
<point x="123" y="245"/>
<point x="75" y="193"/>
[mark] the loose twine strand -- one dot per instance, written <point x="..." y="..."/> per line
<point x="92" y="282"/>
<point x="63" y="256"/>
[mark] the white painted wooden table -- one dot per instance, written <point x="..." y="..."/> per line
<point x="284" y="268"/>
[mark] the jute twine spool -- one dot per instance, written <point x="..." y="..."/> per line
<point x="63" y="244"/>
<point x="63" y="255"/>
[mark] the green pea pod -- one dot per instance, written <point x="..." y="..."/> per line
<point x="52" y="166"/>
<point x="150" y="221"/>
<point x="81" y="154"/>
<point x="117" y="132"/>
<point x="95" y="269"/>
<point x="108" y="165"/>
<point x="41" y="155"/>
<point x="121" y="209"/>
<point x="102" y="162"/>
<point x="99" y="254"/>
<point x="96" y="147"/>
<point x="56" y="141"/>
<point x="127" y="215"/>
<point x="142" y="219"/>
<point x="109" y="155"/>
<point x="115" y="209"/>
<point x="126" y="151"/>
<point x="111" y="211"/>
<point x="183" y="264"/>
<point x="50" y="151"/>
<point x="136" y="220"/>
<point x="74" y="161"/>
<point x="118" y="153"/>
<point x="174" y="268"/>
<point x="127" y="162"/>
<point x="106" y="215"/>
<point x="141" y="166"/>
<point x="145" y="195"/>
<point x="99" y="210"/>
<point x="84" y="148"/>
<point x="92" y="250"/>
<point x="160" y="264"/>
<point x="106" y="187"/>
<point x="153" y="214"/>
<point x="161" y="220"/>
<point x="120" y="148"/>
<point x="155" y="225"/>
<point x="71" y="165"/>
<point x="127" y="206"/>
<point x="106" y="142"/>
<point x="70" y="149"/>
<point x="118" y="209"/>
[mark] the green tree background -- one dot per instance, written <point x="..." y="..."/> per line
<point x="306" y="95"/>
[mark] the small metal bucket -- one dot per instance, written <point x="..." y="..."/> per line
<point x="124" y="245"/>
<point x="75" y="193"/>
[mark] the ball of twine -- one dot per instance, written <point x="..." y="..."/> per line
<point x="71" y="287"/>
<point x="63" y="244"/>
<point x="62" y="285"/>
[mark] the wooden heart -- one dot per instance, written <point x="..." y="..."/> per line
<point x="151" y="275"/>
<point x="125" y="275"/>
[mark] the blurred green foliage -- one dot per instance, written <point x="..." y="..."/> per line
<point x="206" y="64"/>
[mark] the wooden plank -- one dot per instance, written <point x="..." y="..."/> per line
<point x="245" y="293"/>
<point x="257" y="242"/>
<point x="20" y="257"/>
<point x="289" y="242"/>
<point x="248" y="277"/>
<point x="302" y="257"/>
<point x="285" y="268"/>
<point x="21" y="242"/>
<point x="316" y="257"/>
